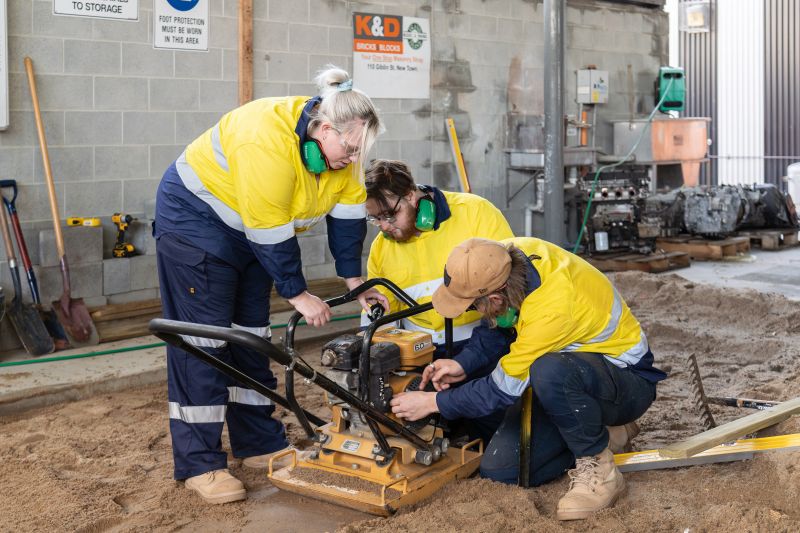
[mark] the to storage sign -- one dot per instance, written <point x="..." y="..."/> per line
<point x="391" y="55"/>
<point x="180" y="24"/>
<point x="109" y="9"/>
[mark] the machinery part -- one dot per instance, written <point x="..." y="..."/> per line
<point x="699" y="394"/>
<point x="525" y="438"/>
<point x="122" y="248"/>
<point x="72" y="312"/>
<point x="83" y="221"/>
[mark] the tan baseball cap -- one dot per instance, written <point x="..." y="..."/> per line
<point x="475" y="268"/>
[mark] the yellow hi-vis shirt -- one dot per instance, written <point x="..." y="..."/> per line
<point x="417" y="265"/>
<point x="248" y="168"/>
<point x="575" y="309"/>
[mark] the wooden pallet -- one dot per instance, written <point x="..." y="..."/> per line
<point x="654" y="263"/>
<point x="704" y="249"/>
<point x="771" y="239"/>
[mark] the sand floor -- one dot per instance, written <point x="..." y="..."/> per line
<point x="104" y="464"/>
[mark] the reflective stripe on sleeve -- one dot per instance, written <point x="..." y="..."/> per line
<point x="507" y="384"/>
<point x="349" y="211"/>
<point x="203" y="342"/>
<point x="219" y="155"/>
<point x="274" y="235"/>
<point x="632" y="355"/>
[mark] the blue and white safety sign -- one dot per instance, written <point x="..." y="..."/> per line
<point x="180" y="24"/>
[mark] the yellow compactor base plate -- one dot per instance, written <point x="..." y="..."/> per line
<point x="458" y="463"/>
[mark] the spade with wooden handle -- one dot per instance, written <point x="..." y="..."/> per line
<point x="72" y="312"/>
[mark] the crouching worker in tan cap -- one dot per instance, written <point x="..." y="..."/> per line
<point x="574" y="341"/>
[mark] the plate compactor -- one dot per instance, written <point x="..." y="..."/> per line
<point x="364" y="457"/>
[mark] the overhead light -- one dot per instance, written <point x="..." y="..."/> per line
<point x="695" y="16"/>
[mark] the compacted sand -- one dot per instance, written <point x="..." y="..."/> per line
<point x="104" y="464"/>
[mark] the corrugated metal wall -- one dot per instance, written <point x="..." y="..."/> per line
<point x="740" y="94"/>
<point x="698" y="57"/>
<point x="781" y="87"/>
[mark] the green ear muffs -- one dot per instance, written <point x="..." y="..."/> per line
<point x="426" y="214"/>
<point x="507" y="319"/>
<point x="314" y="159"/>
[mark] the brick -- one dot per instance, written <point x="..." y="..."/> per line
<point x="264" y="90"/>
<point x="144" y="60"/>
<point x="68" y="163"/>
<point x="20" y="18"/>
<point x="63" y="92"/>
<point x="100" y="198"/>
<point x="206" y="65"/>
<point x="136" y="192"/>
<point x="308" y="38"/>
<point x="162" y="156"/>
<point x="91" y="57"/>
<point x="416" y="152"/>
<point x="86" y="281"/>
<point x="509" y="30"/>
<point x="148" y="127"/>
<point x="190" y="125"/>
<point x="150" y="209"/>
<point x="307" y="89"/>
<point x="19" y="96"/>
<point x="317" y="63"/>
<point x="340" y="40"/>
<point x="48" y="54"/>
<point x="288" y="10"/>
<point x="327" y="270"/>
<point x="17" y="164"/>
<point x="121" y="93"/>
<point x="386" y="149"/>
<point x="22" y="129"/>
<point x="483" y="27"/>
<point x="92" y="127"/>
<point x="144" y="274"/>
<point x="230" y="65"/>
<point x="126" y="31"/>
<point x="46" y="23"/>
<point x="33" y="202"/>
<point x="218" y="95"/>
<point x="287" y="67"/>
<point x="116" y="275"/>
<point x="141" y="236"/>
<point x="270" y="36"/>
<point x="224" y="33"/>
<point x="313" y="249"/>
<point x="178" y="95"/>
<point x="83" y="244"/>
<point x="121" y="162"/>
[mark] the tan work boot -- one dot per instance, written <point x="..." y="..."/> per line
<point x="262" y="461"/>
<point x="595" y="484"/>
<point x="217" y="486"/>
<point x="620" y="437"/>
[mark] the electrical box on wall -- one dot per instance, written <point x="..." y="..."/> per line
<point x="592" y="86"/>
<point x="672" y="82"/>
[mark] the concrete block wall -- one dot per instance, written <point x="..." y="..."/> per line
<point x="117" y="112"/>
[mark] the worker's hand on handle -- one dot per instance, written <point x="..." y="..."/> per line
<point x="368" y="297"/>
<point x="315" y="311"/>
<point x="442" y="373"/>
<point x="414" y="405"/>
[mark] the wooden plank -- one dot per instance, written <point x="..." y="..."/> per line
<point x="773" y="239"/>
<point x="656" y="262"/>
<point x="245" y="51"/>
<point x="702" y="249"/>
<point x="731" y="430"/>
<point x="113" y="309"/>
<point x="737" y="451"/>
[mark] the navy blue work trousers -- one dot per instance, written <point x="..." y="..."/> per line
<point x="201" y="288"/>
<point x="576" y="395"/>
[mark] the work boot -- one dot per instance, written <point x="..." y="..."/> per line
<point x="217" y="486"/>
<point x="620" y="437"/>
<point x="262" y="461"/>
<point x="595" y="483"/>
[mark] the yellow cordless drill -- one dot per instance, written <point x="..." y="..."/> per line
<point x="122" y="248"/>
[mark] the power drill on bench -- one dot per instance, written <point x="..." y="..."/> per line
<point x="122" y="248"/>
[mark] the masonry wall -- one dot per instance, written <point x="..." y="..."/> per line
<point x="117" y="112"/>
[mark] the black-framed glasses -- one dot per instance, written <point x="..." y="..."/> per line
<point x="388" y="216"/>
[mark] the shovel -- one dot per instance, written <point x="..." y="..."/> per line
<point x="72" y="312"/>
<point x="24" y="318"/>
<point x="48" y="316"/>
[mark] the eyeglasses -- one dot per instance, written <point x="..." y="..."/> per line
<point x="389" y="217"/>
<point x="349" y="149"/>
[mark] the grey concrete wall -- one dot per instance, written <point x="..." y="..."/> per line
<point x="117" y="112"/>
